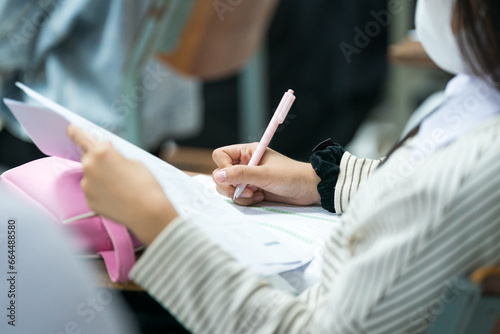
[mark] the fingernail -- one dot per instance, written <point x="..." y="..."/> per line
<point x="246" y="194"/>
<point x="220" y="176"/>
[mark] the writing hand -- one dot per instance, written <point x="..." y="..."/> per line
<point x="276" y="178"/>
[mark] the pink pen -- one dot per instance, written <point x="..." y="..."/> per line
<point x="278" y="118"/>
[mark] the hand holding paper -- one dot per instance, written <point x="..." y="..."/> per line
<point x="252" y="245"/>
<point x="121" y="189"/>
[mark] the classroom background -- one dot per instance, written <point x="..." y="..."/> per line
<point x="180" y="78"/>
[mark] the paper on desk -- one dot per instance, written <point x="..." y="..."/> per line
<point x="252" y="245"/>
<point x="302" y="228"/>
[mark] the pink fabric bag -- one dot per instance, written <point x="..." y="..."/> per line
<point x="54" y="183"/>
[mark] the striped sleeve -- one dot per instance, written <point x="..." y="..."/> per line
<point x="405" y="279"/>
<point x="353" y="173"/>
<point x="399" y="249"/>
<point x="208" y="291"/>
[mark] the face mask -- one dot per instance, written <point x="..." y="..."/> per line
<point x="434" y="29"/>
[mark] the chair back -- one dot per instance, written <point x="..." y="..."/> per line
<point x="214" y="39"/>
<point x="475" y="309"/>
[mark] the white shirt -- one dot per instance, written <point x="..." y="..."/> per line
<point x="469" y="101"/>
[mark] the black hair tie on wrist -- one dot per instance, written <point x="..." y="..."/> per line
<point x="325" y="161"/>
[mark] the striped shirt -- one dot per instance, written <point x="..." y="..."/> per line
<point x="415" y="225"/>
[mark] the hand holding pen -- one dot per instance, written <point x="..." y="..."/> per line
<point x="278" y="118"/>
<point x="273" y="176"/>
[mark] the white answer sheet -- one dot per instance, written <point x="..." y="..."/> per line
<point x="302" y="228"/>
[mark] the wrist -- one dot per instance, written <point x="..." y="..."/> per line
<point x="150" y="222"/>
<point x="312" y="181"/>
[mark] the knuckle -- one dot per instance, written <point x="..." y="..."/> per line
<point x="84" y="184"/>
<point x="101" y="150"/>
<point x="87" y="167"/>
<point x="219" y="190"/>
<point x="223" y="190"/>
<point x="215" y="154"/>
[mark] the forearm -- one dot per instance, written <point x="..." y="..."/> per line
<point x="209" y="291"/>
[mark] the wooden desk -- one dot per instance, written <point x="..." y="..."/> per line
<point x="194" y="159"/>
<point x="411" y="53"/>
<point x="101" y="276"/>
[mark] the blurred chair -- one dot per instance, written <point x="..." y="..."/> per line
<point x="472" y="307"/>
<point x="214" y="42"/>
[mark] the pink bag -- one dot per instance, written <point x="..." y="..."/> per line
<point x="55" y="184"/>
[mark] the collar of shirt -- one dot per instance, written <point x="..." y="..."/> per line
<point x="469" y="102"/>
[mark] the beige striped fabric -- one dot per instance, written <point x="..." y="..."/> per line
<point x="354" y="173"/>
<point x="414" y="226"/>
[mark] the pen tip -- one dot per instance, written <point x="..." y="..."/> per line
<point x="291" y="91"/>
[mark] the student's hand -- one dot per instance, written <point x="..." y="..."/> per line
<point x="276" y="178"/>
<point x="120" y="189"/>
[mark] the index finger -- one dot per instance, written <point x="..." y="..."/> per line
<point x="81" y="138"/>
<point x="228" y="156"/>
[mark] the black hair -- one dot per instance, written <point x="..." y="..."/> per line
<point x="478" y="22"/>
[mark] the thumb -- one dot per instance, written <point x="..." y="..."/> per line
<point x="253" y="175"/>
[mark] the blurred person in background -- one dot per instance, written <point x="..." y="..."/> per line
<point x="74" y="52"/>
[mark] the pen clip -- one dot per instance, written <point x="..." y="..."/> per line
<point x="285" y="105"/>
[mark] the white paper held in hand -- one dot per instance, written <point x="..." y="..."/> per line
<point x="252" y="245"/>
